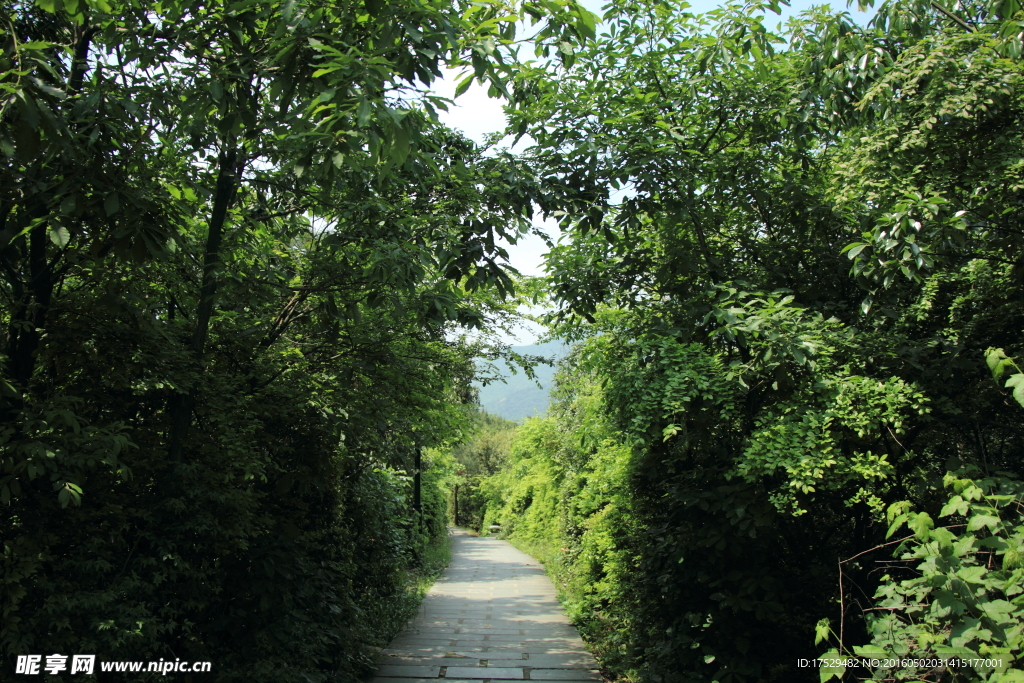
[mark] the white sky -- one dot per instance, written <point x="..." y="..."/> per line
<point x="477" y="115"/>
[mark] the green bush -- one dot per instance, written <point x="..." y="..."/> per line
<point x="481" y="454"/>
<point x="569" y="506"/>
<point x="956" y="591"/>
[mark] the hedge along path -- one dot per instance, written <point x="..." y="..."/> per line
<point x="492" y="616"/>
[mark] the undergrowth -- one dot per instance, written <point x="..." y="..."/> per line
<point x="388" y="617"/>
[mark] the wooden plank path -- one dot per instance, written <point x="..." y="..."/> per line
<point x="492" y="616"/>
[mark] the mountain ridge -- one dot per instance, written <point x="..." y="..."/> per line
<point x="519" y="397"/>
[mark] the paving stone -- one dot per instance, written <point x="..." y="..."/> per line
<point x="493" y="637"/>
<point x="493" y="604"/>
<point x="432" y="661"/>
<point x="564" y="675"/>
<point x="398" y="671"/>
<point x="480" y="637"/>
<point x="480" y="673"/>
<point x="431" y="644"/>
<point x="564" y="660"/>
<point x="495" y="622"/>
<point x="572" y="643"/>
<point x="503" y="660"/>
<point x="494" y="652"/>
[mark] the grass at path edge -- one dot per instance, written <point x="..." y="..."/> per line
<point x="388" y="617"/>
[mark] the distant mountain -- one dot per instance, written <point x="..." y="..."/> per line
<point x="518" y="397"/>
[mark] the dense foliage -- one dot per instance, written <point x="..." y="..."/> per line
<point x="238" y="257"/>
<point x="964" y="599"/>
<point x="240" y="261"/>
<point x="744" y="409"/>
<point x="480" y="455"/>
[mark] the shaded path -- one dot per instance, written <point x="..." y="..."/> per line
<point x="492" y="616"/>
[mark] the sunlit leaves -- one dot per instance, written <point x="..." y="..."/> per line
<point x="963" y="600"/>
<point x="1000" y="364"/>
<point x="245" y="219"/>
<point x="937" y="100"/>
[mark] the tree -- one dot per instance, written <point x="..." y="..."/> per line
<point x="237" y="246"/>
<point x="482" y="453"/>
<point x="774" y="411"/>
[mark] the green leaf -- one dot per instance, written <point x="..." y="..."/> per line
<point x="363" y="112"/>
<point x="111" y="204"/>
<point x="852" y="250"/>
<point x="972" y="574"/>
<point x="870" y="651"/>
<point x="997" y="362"/>
<point x="896" y="524"/>
<point x="827" y="672"/>
<point x="998" y="610"/>
<point x="921" y="524"/>
<point x="587" y="25"/>
<point x="943" y="536"/>
<point x="1013" y="559"/>
<point x="69" y="493"/>
<point x="463" y="85"/>
<point x="949" y="652"/>
<point x="955" y="506"/>
<point x="978" y="521"/>
<point x="822" y="630"/>
<point x="1016" y="382"/>
<point x="1011" y="676"/>
<point x="59" y="235"/>
<point x="28" y="108"/>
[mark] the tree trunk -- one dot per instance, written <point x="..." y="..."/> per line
<point x="24" y="332"/>
<point x="181" y="406"/>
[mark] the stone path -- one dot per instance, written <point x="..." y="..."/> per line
<point x="492" y="616"/>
